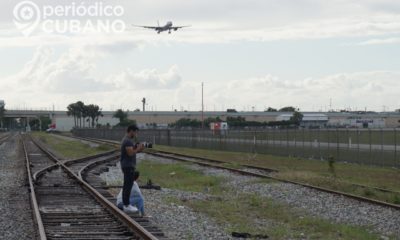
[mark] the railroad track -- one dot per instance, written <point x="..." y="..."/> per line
<point x="91" y="174"/>
<point x="260" y="172"/>
<point x="5" y="137"/>
<point x="66" y="207"/>
<point x="251" y="168"/>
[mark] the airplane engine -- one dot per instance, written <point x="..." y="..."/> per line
<point x="175" y="29"/>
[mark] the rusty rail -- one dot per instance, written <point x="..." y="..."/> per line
<point x="35" y="206"/>
<point x="129" y="222"/>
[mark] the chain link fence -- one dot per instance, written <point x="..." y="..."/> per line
<point x="365" y="146"/>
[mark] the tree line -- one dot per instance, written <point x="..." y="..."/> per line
<point x="122" y="115"/>
<point x="83" y="113"/>
<point x="2" y="112"/>
<point x="241" y="122"/>
<point x="284" y="109"/>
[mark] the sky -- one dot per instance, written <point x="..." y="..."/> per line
<point x="316" y="55"/>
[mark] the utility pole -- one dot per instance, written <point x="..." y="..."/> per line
<point x="144" y="104"/>
<point x="202" y="105"/>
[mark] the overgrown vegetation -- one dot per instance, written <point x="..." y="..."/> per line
<point x="314" y="172"/>
<point x="2" y="112"/>
<point x="177" y="176"/>
<point x="244" y="212"/>
<point x="331" y="164"/>
<point x="84" y="113"/>
<point x="124" y="121"/>
<point x="69" y="148"/>
<point x="40" y="124"/>
<point x="239" y="122"/>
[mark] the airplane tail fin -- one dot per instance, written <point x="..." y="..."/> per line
<point x="158" y="22"/>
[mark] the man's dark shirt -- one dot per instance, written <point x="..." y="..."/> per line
<point x="127" y="161"/>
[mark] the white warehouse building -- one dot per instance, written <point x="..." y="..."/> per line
<point x="310" y="120"/>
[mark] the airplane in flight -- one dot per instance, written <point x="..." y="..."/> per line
<point x="167" y="27"/>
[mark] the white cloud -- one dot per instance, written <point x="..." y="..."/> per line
<point x="378" y="41"/>
<point x="148" y="79"/>
<point x="356" y="90"/>
<point x="72" y="72"/>
<point x="239" y="20"/>
<point x="72" y="76"/>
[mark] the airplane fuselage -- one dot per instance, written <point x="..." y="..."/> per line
<point x="167" y="27"/>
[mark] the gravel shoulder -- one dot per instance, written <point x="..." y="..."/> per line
<point x="177" y="221"/>
<point x="339" y="209"/>
<point x="16" y="216"/>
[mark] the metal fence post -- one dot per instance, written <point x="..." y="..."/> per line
<point x="254" y="141"/>
<point x="169" y="137"/>
<point x="382" y="142"/>
<point x="358" y="145"/>
<point x="319" y="143"/>
<point x="287" y="140"/>
<point x="295" y="142"/>
<point x="349" y="140"/>
<point x="337" y="145"/>
<point x="370" y="146"/>
<point x="273" y="139"/>
<point x="395" y="147"/>
<point x="329" y="143"/>
<point x="304" y="149"/>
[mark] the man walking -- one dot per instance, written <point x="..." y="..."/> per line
<point x="128" y="164"/>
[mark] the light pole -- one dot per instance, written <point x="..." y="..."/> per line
<point x="202" y="105"/>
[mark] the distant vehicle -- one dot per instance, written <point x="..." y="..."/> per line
<point x="219" y="128"/>
<point x="49" y="130"/>
<point x="167" y="27"/>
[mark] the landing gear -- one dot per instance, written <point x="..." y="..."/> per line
<point x="169" y="32"/>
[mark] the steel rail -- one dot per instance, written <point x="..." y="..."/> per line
<point x="35" y="206"/>
<point x="129" y="222"/>
<point x="89" y="165"/>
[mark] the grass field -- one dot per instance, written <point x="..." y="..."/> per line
<point x="362" y="136"/>
<point x="70" y="148"/>
<point x="340" y="176"/>
<point x="171" y="175"/>
<point x="244" y="212"/>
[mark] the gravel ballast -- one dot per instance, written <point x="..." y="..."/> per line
<point x="16" y="216"/>
<point x="316" y="203"/>
<point x="176" y="219"/>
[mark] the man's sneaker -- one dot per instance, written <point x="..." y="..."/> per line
<point x="130" y="209"/>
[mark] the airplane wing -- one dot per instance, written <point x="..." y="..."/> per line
<point x="180" y="26"/>
<point x="150" y="27"/>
